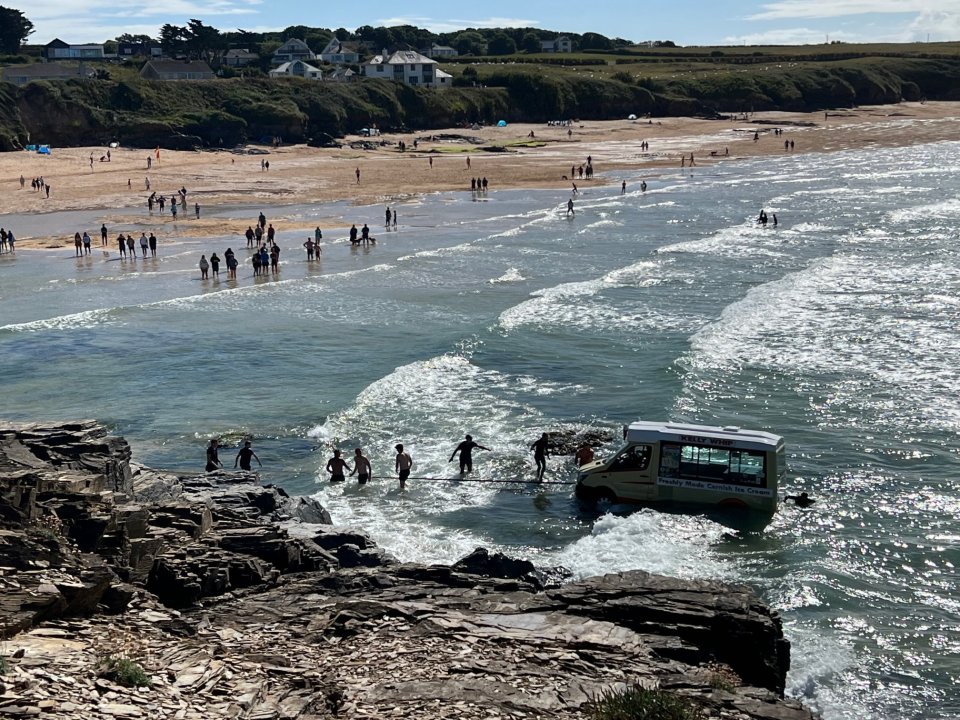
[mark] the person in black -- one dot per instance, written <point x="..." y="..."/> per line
<point x="802" y="500"/>
<point x="365" y="234"/>
<point x="466" y="454"/>
<point x="243" y="457"/>
<point x="103" y="234"/>
<point x="213" y="457"/>
<point x="540" y="455"/>
<point x="353" y="234"/>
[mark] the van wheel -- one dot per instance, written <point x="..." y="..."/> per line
<point x="605" y="494"/>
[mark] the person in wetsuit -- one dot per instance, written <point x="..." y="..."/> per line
<point x="466" y="454"/>
<point x="802" y="500"/>
<point x="540" y="455"/>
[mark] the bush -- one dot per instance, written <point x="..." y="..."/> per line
<point x="638" y="703"/>
<point x="125" y="672"/>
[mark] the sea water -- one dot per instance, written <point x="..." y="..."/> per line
<point x="501" y="316"/>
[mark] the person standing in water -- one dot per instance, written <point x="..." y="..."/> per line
<point x="213" y="456"/>
<point x="540" y="455"/>
<point x="243" y="457"/>
<point x="466" y="454"/>
<point x="361" y="467"/>
<point x="570" y="210"/>
<point x="402" y="465"/>
<point x="336" y="466"/>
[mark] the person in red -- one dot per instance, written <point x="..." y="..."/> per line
<point x="466" y="454"/>
<point x="584" y="455"/>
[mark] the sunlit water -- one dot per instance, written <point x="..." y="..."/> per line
<point x="501" y="317"/>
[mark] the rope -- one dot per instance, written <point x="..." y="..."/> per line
<point x="476" y="480"/>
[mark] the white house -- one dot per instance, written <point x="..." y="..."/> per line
<point x="298" y="68"/>
<point x="291" y="50"/>
<point x="340" y="53"/>
<point x="407" y="66"/>
<point x="440" y="51"/>
<point x="561" y="44"/>
<point x="239" y="57"/>
<point x="342" y="74"/>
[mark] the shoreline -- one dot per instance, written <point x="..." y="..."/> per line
<point x="304" y="175"/>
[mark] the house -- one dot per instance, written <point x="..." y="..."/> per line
<point x="406" y="66"/>
<point x="561" y="44"/>
<point x="176" y="70"/>
<point x="129" y="50"/>
<point x="22" y="74"/>
<point x="298" y="68"/>
<point x="57" y="49"/>
<point x="240" y="57"/>
<point x="342" y="74"/>
<point x="440" y="51"/>
<point x="291" y="50"/>
<point x="340" y="53"/>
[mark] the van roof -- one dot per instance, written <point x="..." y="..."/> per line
<point x="729" y="436"/>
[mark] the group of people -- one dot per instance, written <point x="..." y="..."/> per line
<point x="8" y="243"/>
<point x="126" y="245"/>
<point x="479" y="184"/>
<point x="762" y="219"/>
<point x="212" y="266"/>
<point x="38" y="184"/>
<point x="179" y="198"/>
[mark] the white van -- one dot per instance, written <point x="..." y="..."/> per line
<point x="698" y="464"/>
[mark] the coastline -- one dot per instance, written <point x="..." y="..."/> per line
<point x="300" y="174"/>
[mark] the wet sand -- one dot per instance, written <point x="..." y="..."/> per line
<point x="300" y="174"/>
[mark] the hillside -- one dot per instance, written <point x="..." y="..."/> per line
<point x="527" y="88"/>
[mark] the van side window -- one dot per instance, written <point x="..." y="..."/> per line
<point x="712" y="464"/>
<point x="635" y="457"/>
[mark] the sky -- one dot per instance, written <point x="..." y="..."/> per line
<point x="686" y="22"/>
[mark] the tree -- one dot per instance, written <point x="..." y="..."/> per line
<point x="501" y="44"/>
<point x="135" y="39"/>
<point x="14" y="29"/>
<point x="470" y="43"/>
<point x="531" y="43"/>
<point x="202" y="41"/>
<point x="173" y="39"/>
<point x="595" y="41"/>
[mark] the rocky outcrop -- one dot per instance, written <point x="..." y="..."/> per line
<point x="196" y="579"/>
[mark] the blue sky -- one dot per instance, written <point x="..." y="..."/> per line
<point x="687" y="22"/>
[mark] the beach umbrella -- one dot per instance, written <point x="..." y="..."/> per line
<point x="502" y="123"/>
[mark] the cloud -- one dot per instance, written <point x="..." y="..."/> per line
<point x="810" y="9"/>
<point x="452" y="25"/>
<point x="787" y="36"/>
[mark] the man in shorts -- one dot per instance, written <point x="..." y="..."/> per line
<point x="361" y="467"/>
<point x="335" y="467"/>
<point x="402" y="465"/>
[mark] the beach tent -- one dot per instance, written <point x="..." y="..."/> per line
<point x="502" y="123"/>
<point x="43" y="150"/>
<point x="31" y="148"/>
<point x="631" y="116"/>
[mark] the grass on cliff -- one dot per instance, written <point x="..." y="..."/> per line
<point x="638" y="703"/>
<point x="126" y="672"/>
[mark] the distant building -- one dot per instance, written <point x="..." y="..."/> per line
<point x="297" y="68"/>
<point x="22" y="74"/>
<point x="129" y="50"/>
<point x="57" y="49"/>
<point x="561" y="44"/>
<point x="176" y="70"/>
<point x="239" y="58"/>
<point x="340" y="53"/>
<point x="342" y="74"/>
<point x="291" y="50"/>
<point x="440" y="51"/>
<point x="407" y="66"/>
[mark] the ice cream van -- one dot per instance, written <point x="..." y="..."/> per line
<point x="664" y="462"/>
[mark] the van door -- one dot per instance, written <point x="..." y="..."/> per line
<point x="628" y="474"/>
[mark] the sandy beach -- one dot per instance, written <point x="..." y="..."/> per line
<point x="301" y="174"/>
